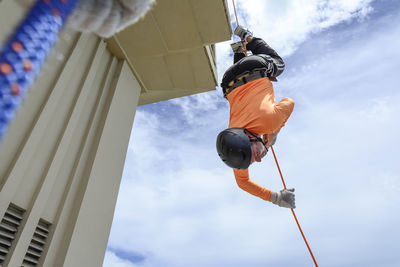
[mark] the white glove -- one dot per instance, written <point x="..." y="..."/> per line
<point x="107" y="17"/>
<point x="285" y="198"/>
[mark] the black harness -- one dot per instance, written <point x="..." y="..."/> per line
<point x="244" y="78"/>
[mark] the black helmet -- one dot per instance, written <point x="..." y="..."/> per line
<point x="234" y="148"/>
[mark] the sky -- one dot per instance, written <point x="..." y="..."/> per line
<point x="179" y="205"/>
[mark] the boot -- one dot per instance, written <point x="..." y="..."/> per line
<point x="237" y="47"/>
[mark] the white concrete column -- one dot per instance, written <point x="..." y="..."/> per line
<point x="62" y="158"/>
<point x="93" y="223"/>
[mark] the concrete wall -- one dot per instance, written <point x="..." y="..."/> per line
<point x="62" y="158"/>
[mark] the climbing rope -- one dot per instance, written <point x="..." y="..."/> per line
<point x="276" y="161"/>
<point x="294" y="214"/>
<point x="25" y="52"/>
<point x="237" y="22"/>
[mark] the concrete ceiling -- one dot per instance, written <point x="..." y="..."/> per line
<point x="171" y="50"/>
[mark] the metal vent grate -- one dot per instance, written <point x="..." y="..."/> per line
<point x="36" y="246"/>
<point x="8" y="229"/>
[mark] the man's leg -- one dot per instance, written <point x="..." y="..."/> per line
<point x="237" y="57"/>
<point x="259" y="47"/>
<point x="238" y="51"/>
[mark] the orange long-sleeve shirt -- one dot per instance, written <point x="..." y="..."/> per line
<point x="252" y="106"/>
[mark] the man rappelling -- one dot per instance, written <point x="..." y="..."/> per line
<point x="255" y="118"/>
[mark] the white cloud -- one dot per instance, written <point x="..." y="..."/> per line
<point x="179" y="205"/>
<point x="111" y="260"/>
<point x="193" y="108"/>
<point x="173" y="215"/>
<point x="378" y="110"/>
<point x="286" y="24"/>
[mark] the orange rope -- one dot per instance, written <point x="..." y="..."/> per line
<point x="237" y="22"/>
<point x="273" y="152"/>
<point x="294" y="215"/>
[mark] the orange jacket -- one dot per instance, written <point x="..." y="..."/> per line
<point x="252" y="106"/>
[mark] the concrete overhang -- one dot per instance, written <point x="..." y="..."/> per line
<point x="171" y="50"/>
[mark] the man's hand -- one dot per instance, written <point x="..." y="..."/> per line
<point x="270" y="139"/>
<point x="285" y="198"/>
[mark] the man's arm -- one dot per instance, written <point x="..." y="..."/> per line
<point x="284" y="198"/>
<point x="244" y="183"/>
<point x="280" y="113"/>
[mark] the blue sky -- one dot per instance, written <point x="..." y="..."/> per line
<point x="179" y="204"/>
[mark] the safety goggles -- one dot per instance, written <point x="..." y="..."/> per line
<point x="256" y="138"/>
